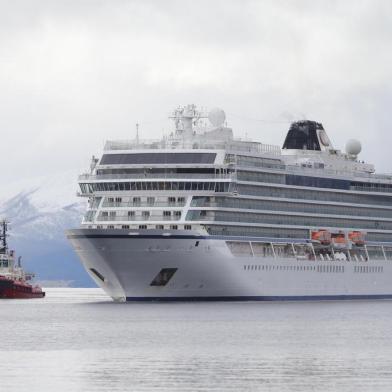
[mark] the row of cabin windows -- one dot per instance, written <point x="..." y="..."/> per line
<point x="162" y="172"/>
<point x="309" y="194"/>
<point x="308" y="181"/>
<point x="318" y="268"/>
<point x="289" y="206"/>
<point x="157" y="227"/>
<point x="292" y="220"/>
<point x="145" y="214"/>
<point x="150" y="200"/>
<point x="243" y="160"/>
<point x="371" y="187"/>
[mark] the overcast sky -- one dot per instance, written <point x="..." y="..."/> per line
<point x="75" y="73"/>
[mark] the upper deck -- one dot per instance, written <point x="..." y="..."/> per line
<point x="307" y="151"/>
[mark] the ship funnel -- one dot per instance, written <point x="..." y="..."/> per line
<point x="307" y="135"/>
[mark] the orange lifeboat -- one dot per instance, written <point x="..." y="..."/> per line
<point x="321" y="236"/>
<point x="339" y="240"/>
<point x="357" y="237"/>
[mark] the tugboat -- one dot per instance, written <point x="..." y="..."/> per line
<point x="13" y="279"/>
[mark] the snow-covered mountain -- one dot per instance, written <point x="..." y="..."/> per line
<point x="39" y="211"/>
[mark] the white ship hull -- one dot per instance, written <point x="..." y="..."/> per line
<point x="125" y="264"/>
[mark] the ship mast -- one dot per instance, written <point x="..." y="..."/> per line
<point x="3" y="237"/>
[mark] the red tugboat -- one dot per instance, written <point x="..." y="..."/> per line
<point x="13" y="279"/>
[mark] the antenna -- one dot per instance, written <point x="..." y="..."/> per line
<point x="137" y="133"/>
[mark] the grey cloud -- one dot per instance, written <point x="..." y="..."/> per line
<point x="74" y="73"/>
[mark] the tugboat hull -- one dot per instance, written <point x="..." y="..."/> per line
<point x="12" y="289"/>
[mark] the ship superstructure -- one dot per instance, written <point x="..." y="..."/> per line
<point x="203" y="215"/>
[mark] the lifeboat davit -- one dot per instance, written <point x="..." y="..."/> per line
<point x="323" y="237"/>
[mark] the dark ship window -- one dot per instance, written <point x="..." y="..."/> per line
<point x="155" y="158"/>
<point x="302" y="135"/>
<point x="97" y="274"/>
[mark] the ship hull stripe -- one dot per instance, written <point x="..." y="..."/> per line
<point x="262" y="298"/>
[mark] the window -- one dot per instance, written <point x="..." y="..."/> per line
<point x="125" y="226"/>
<point x="145" y="214"/>
<point x="110" y="227"/>
<point x="112" y="214"/>
<point x="97" y="274"/>
<point x="105" y="213"/>
<point x="171" y="200"/>
<point x="317" y="182"/>
<point x="166" y="213"/>
<point x="173" y="227"/>
<point x="161" y="157"/>
<point x="110" y="199"/>
<point x="142" y="226"/>
<point x="136" y="200"/>
<point x="159" y="227"/>
<point x="260" y="177"/>
<point x="118" y="199"/>
<point x="131" y="213"/>
<point x="187" y="227"/>
<point x="150" y="200"/>
<point x="181" y="200"/>
<point x="177" y="214"/>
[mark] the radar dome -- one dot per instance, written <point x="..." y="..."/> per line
<point x="353" y="147"/>
<point x="217" y="117"/>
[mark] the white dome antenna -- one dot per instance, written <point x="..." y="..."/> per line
<point x="353" y="147"/>
<point x="217" y="117"/>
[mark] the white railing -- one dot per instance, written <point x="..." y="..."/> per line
<point x="193" y="144"/>
<point x="307" y="251"/>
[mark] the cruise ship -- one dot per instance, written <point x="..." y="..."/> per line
<point x="202" y="215"/>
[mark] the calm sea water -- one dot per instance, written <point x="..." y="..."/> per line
<point x="78" y="340"/>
